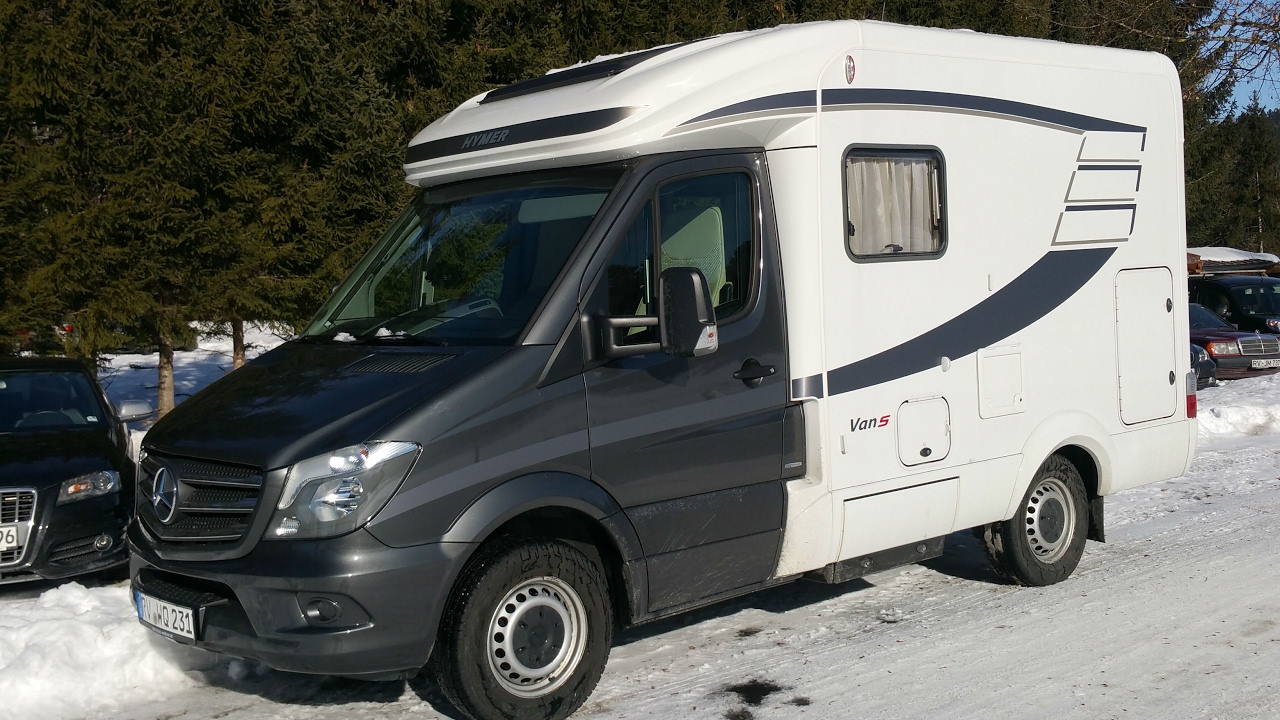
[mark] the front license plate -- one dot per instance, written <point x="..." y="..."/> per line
<point x="1269" y="363"/>
<point x="169" y="619"/>
<point x="10" y="536"/>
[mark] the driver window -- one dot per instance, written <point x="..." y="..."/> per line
<point x="707" y="224"/>
<point x="630" y="276"/>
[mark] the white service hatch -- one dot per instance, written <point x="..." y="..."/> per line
<point x="1145" y="344"/>
<point x="924" y="431"/>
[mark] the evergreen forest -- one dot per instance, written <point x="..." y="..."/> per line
<point x="164" y="162"/>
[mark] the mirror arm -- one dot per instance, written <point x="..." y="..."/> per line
<point x="613" y="349"/>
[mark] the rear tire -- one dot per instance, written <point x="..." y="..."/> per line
<point x="525" y="633"/>
<point x="1043" y="542"/>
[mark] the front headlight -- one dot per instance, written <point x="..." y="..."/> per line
<point x="95" y="484"/>
<point x="1273" y="324"/>
<point x="337" y="492"/>
<point x="1218" y="348"/>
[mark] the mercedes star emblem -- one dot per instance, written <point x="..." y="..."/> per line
<point x="164" y="495"/>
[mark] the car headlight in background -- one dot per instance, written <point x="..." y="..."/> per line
<point x="1223" y="347"/>
<point x="337" y="492"/>
<point x="95" y="484"/>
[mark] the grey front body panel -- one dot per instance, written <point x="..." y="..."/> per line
<point x="496" y="426"/>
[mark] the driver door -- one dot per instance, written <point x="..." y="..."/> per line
<point x="692" y="447"/>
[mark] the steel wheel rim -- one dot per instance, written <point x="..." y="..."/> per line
<point x="527" y="655"/>
<point x="1050" y="520"/>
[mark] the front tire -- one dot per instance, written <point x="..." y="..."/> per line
<point x="525" y="633"/>
<point x="1043" y="542"/>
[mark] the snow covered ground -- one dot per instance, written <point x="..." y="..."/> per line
<point x="133" y="377"/>
<point x="1176" y="616"/>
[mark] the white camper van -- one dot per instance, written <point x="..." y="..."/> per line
<point x="677" y="325"/>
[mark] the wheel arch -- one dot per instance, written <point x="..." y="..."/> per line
<point x="1078" y="437"/>
<point x="567" y="507"/>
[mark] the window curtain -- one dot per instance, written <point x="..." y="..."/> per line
<point x="891" y="205"/>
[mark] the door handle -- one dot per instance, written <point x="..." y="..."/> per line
<point x="753" y="373"/>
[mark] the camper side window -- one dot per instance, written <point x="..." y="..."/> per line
<point x="893" y="203"/>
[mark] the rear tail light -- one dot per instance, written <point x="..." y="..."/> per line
<point x="1192" y="379"/>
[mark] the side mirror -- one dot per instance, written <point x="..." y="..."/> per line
<point x="134" y="410"/>
<point x="688" y="326"/>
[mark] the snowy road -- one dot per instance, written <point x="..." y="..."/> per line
<point x="1177" y="616"/>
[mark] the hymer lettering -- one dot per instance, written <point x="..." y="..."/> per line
<point x="481" y="139"/>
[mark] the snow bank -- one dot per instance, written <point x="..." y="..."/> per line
<point x="1240" y="408"/>
<point x="74" y="652"/>
<point x="1226" y="254"/>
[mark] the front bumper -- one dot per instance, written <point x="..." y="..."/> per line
<point x="1241" y="366"/>
<point x="256" y="606"/>
<point x="62" y="539"/>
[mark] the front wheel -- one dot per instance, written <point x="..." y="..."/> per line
<point x="1043" y="542"/>
<point x="526" y="632"/>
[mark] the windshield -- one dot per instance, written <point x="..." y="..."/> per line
<point x="1202" y="319"/>
<point x="1260" y="299"/>
<point x="466" y="264"/>
<point x="31" y="401"/>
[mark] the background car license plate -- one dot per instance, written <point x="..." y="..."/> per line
<point x="10" y="536"/>
<point x="166" y="617"/>
<point x="1269" y="363"/>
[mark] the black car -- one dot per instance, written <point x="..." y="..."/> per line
<point x="1250" y="302"/>
<point x="66" y="478"/>
<point x="1206" y="368"/>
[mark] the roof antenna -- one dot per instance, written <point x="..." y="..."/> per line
<point x="882" y="9"/>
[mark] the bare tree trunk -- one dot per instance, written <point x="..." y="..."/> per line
<point x="237" y="343"/>
<point x="165" y="367"/>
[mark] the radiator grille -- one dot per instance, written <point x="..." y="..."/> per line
<point x="1260" y="345"/>
<point x="17" y="506"/>
<point x="215" y="501"/>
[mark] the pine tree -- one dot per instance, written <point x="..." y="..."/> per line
<point x="1255" y="181"/>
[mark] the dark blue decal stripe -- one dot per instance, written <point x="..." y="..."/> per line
<point x="886" y="96"/>
<point x="1091" y="208"/>
<point x="806" y="387"/>
<point x="532" y="131"/>
<point x="1030" y="296"/>
<point x="802" y="100"/>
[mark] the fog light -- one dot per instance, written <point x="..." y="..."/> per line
<point x="102" y="543"/>
<point x="322" y="611"/>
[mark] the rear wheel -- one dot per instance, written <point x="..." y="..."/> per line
<point x="526" y="632"/>
<point x="1043" y="542"/>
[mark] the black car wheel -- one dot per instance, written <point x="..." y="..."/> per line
<point x="1044" y="541"/>
<point x="526" y="632"/>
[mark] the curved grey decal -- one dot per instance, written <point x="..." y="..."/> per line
<point x="804" y="100"/>
<point x="531" y="131"/>
<point x="1027" y="298"/>
<point x="831" y="99"/>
